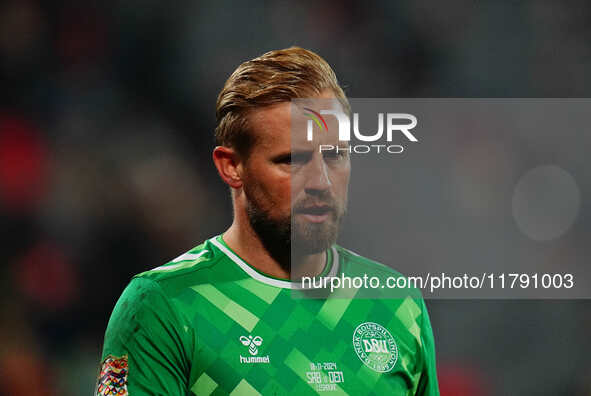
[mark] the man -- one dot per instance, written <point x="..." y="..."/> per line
<point x="221" y="319"/>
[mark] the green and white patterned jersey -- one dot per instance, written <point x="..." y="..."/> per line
<point x="208" y="323"/>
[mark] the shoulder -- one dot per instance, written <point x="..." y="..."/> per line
<point x="204" y="263"/>
<point x="141" y="299"/>
<point x="355" y="262"/>
<point x="392" y="284"/>
<point x="144" y="306"/>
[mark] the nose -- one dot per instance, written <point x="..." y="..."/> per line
<point x="317" y="176"/>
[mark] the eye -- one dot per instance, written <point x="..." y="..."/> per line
<point x="293" y="159"/>
<point x="336" y="155"/>
<point x="284" y="159"/>
<point x="300" y="158"/>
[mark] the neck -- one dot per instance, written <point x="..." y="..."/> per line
<point x="243" y="240"/>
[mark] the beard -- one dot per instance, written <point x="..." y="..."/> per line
<point x="291" y="236"/>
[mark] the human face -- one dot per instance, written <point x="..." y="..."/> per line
<point x="296" y="195"/>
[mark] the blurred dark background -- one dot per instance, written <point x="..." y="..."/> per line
<point x="106" y="129"/>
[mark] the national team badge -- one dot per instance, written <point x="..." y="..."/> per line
<point x="113" y="377"/>
<point x="375" y="347"/>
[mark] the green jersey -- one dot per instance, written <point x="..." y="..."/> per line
<point x="208" y="323"/>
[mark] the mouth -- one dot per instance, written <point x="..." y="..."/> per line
<point x="315" y="214"/>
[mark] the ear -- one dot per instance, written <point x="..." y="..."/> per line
<point x="228" y="163"/>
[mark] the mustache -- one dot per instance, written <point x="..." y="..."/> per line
<point x="327" y="203"/>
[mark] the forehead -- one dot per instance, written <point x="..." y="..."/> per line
<point x="271" y="125"/>
<point x="283" y="125"/>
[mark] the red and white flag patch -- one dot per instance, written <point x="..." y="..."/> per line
<point x="112" y="379"/>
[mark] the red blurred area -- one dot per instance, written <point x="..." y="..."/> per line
<point x="82" y="35"/>
<point x="47" y="277"/>
<point x="23" y="163"/>
<point x="459" y="380"/>
<point x="23" y="374"/>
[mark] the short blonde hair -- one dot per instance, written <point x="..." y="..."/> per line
<point x="274" y="77"/>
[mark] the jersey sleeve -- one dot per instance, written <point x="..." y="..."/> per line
<point x="145" y="350"/>
<point x="428" y="385"/>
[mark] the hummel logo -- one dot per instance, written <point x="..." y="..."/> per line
<point x="251" y="343"/>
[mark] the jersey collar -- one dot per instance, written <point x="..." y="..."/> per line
<point x="218" y="242"/>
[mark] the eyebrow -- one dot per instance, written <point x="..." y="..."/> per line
<point x="293" y="153"/>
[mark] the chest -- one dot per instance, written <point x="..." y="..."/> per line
<point x="278" y="345"/>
